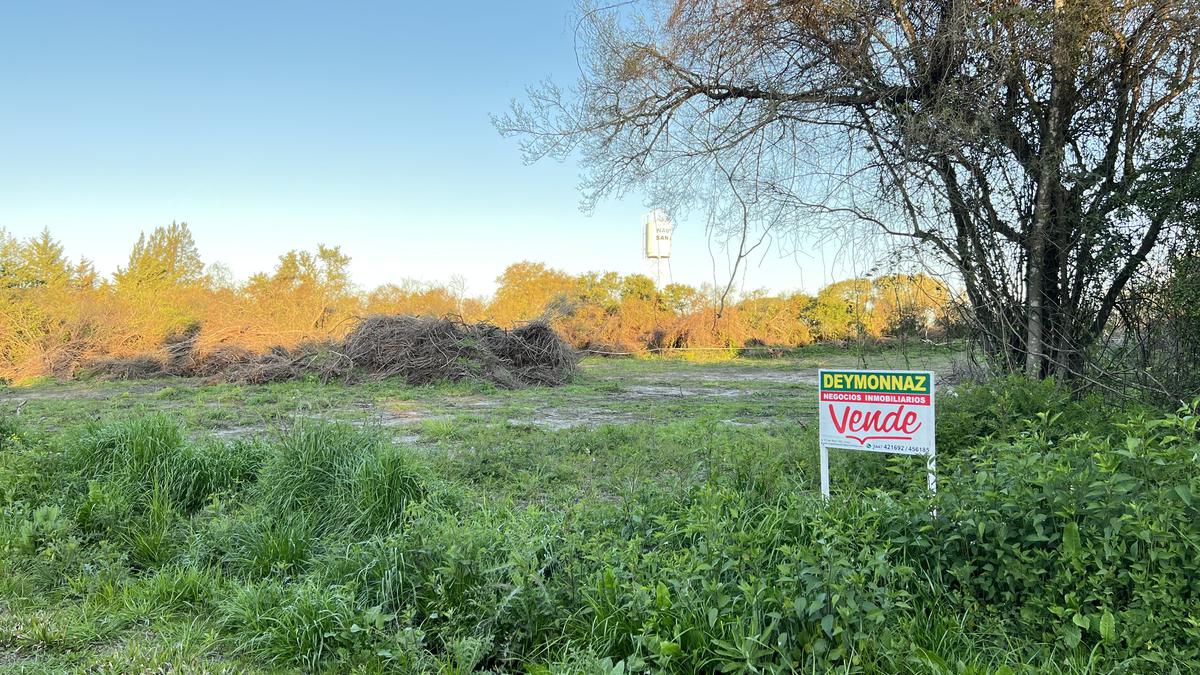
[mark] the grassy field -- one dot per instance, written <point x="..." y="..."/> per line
<point x="744" y="390"/>
<point x="654" y="516"/>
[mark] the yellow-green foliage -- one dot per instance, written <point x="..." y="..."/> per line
<point x="56" y="315"/>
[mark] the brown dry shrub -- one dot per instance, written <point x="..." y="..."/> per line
<point x="626" y="330"/>
<point x="423" y="350"/>
<point x="222" y="359"/>
<point x="64" y="360"/>
<point x="180" y="347"/>
<point x="420" y="350"/>
<point x="535" y="354"/>
<point x="318" y="358"/>
<point x="705" y="329"/>
<point x="140" y="367"/>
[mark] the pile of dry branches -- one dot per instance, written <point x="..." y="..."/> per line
<point x="419" y="350"/>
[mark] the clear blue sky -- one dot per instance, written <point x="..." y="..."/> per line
<point x="270" y="126"/>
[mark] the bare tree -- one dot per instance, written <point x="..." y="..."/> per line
<point x="1038" y="148"/>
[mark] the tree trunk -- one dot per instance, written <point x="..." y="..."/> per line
<point x="1049" y="162"/>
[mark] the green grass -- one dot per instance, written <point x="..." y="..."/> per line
<point x="657" y="538"/>
<point x="607" y="389"/>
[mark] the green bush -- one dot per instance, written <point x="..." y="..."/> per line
<point x="454" y="578"/>
<point x="344" y="478"/>
<point x="973" y="413"/>
<point x="380" y="489"/>
<point x="1064" y="538"/>
<point x="267" y="544"/>
<point x="1082" y="540"/>
<point x="152" y="452"/>
<point x="307" y="624"/>
<point x="173" y="588"/>
<point x="718" y="581"/>
<point x="308" y="465"/>
<point x="10" y="431"/>
<point x="45" y="529"/>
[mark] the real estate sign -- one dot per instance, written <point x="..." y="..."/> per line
<point x="877" y="411"/>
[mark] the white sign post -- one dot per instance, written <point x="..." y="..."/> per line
<point x="889" y="411"/>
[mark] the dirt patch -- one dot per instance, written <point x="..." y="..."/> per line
<point x="637" y="391"/>
<point x="700" y="374"/>
<point x="238" y="432"/>
<point x="76" y="392"/>
<point x="559" y="419"/>
<point x="809" y="377"/>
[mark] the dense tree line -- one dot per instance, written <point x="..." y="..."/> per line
<point x="57" y="314"/>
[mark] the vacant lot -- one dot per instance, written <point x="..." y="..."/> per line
<point x="655" y="515"/>
<point x="740" y="391"/>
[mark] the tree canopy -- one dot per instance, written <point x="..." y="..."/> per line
<point x="168" y="257"/>
<point x="1042" y="150"/>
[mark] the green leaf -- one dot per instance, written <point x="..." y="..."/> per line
<point x="1071" y="636"/>
<point x="662" y="597"/>
<point x="669" y="648"/>
<point x="1070" y="540"/>
<point x="1108" y="626"/>
<point x="1081" y="621"/>
<point x="929" y="659"/>
<point x="1184" y="493"/>
<point x="827" y="624"/>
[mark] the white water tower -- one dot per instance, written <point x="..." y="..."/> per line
<point x="656" y="243"/>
